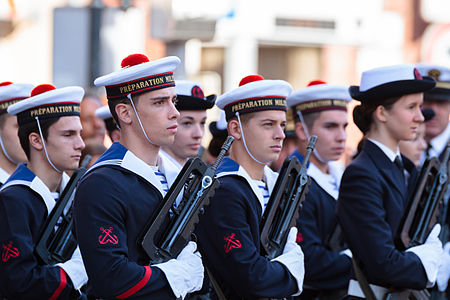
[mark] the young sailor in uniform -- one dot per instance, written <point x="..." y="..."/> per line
<point x="320" y="109"/>
<point x="121" y="191"/>
<point x="373" y="192"/>
<point x="228" y="234"/>
<point x="50" y="135"/>
<point x="11" y="152"/>
<point x="192" y="105"/>
<point x="437" y="130"/>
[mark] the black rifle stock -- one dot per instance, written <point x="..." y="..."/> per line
<point x="56" y="246"/>
<point x="285" y="203"/>
<point x="163" y="242"/>
<point x="422" y="210"/>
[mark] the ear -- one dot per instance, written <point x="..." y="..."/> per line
<point x="233" y="129"/>
<point x="381" y="113"/>
<point x="35" y="141"/>
<point x="300" y="132"/>
<point x="123" y="113"/>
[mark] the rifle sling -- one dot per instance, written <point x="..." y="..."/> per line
<point x="363" y="283"/>
<point x="215" y="284"/>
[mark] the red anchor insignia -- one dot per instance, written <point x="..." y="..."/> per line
<point x="9" y="251"/>
<point x="231" y="242"/>
<point x="108" y="237"/>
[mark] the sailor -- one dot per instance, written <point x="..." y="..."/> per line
<point x="11" y="152"/>
<point x="320" y="109"/>
<point x="122" y="190"/>
<point x="228" y="233"/>
<point x="50" y="135"/>
<point x="373" y="192"/>
<point x="192" y="105"/>
<point x="437" y="132"/>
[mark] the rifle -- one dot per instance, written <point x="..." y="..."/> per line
<point x="56" y="245"/>
<point x="285" y="203"/>
<point x="423" y="204"/>
<point x="163" y="242"/>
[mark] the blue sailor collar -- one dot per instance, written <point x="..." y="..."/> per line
<point x="24" y="176"/>
<point x="230" y="167"/>
<point x="118" y="155"/>
<point x="328" y="182"/>
<point x="3" y="176"/>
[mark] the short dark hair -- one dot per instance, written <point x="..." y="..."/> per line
<point x="309" y="118"/>
<point x="26" y="129"/>
<point x="113" y="103"/>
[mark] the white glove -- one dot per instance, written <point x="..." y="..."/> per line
<point x="184" y="274"/>
<point x="74" y="267"/>
<point x="443" y="274"/>
<point x="292" y="258"/>
<point x="347" y="252"/>
<point x="430" y="254"/>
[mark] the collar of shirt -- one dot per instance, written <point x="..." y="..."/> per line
<point x="24" y="176"/>
<point x="230" y="167"/>
<point x="3" y="176"/>
<point x="166" y="155"/>
<point x="328" y="182"/>
<point x="438" y="143"/>
<point x="388" y="152"/>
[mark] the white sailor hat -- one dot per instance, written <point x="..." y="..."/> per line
<point x="191" y="97"/>
<point x="139" y="75"/>
<point x="219" y="128"/>
<point x="46" y="102"/>
<point x="390" y="81"/>
<point x="319" y="96"/>
<point x="104" y="113"/>
<point x="442" y="76"/>
<point x="255" y="94"/>
<point x="11" y="93"/>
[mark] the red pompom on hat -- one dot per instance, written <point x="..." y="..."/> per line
<point x="5" y="83"/>
<point x="134" y="59"/>
<point x="316" y="82"/>
<point x="250" y="78"/>
<point x="42" y="88"/>
<point x="139" y="75"/>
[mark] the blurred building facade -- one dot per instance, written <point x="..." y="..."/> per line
<point x="70" y="42"/>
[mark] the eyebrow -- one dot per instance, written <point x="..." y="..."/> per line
<point x="161" y="98"/>
<point x="271" y="120"/>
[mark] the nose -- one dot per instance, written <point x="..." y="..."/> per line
<point x="419" y="116"/>
<point x="279" y="133"/>
<point x="197" y="132"/>
<point x="342" y="135"/>
<point x="79" y="143"/>
<point x="98" y="123"/>
<point x="173" y="112"/>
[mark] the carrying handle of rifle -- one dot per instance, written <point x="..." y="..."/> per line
<point x="309" y="149"/>
<point x="225" y="147"/>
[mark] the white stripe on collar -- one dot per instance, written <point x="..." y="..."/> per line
<point x="136" y="165"/>
<point x="328" y="182"/>
<point x="168" y="157"/>
<point x="3" y="176"/>
<point x="270" y="177"/>
<point x="39" y="187"/>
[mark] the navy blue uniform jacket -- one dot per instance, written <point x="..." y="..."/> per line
<point x="23" y="211"/>
<point x="325" y="269"/>
<point x="229" y="239"/>
<point x="372" y="200"/>
<point x="113" y="203"/>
